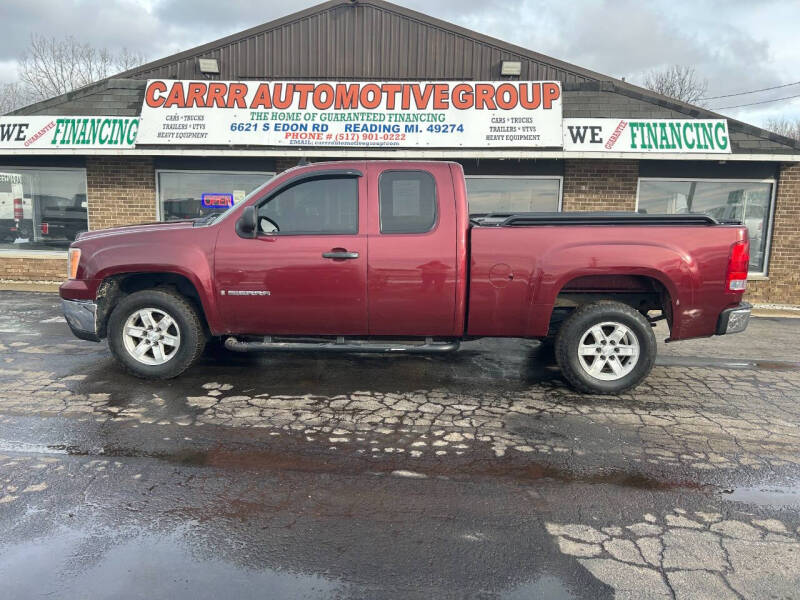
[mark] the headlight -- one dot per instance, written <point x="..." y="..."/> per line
<point x="72" y="262"/>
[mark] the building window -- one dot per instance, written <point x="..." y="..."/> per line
<point x="511" y="194"/>
<point x="192" y="194"/>
<point x="749" y="202"/>
<point x="41" y="208"/>
<point x="320" y="206"/>
<point x="407" y="201"/>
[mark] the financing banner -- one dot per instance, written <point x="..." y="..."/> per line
<point x="687" y="136"/>
<point x="52" y="133"/>
<point x="436" y="114"/>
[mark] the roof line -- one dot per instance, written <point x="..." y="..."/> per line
<point x="81" y="92"/>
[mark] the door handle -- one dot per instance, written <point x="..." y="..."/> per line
<point x="340" y="255"/>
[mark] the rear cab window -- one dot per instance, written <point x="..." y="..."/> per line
<point x="407" y="201"/>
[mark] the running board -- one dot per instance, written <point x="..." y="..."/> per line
<point x="341" y="345"/>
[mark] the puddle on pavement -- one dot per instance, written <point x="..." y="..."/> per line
<point x="765" y="495"/>
<point x="24" y="447"/>
<point x="726" y="363"/>
<point x="548" y="587"/>
<point x="767" y="365"/>
<point x="264" y="459"/>
<point x="536" y="471"/>
<point x="165" y="566"/>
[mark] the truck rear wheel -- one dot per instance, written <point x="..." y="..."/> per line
<point x="155" y="334"/>
<point x="605" y="347"/>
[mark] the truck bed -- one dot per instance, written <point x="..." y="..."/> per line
<point x="521" y="263"/>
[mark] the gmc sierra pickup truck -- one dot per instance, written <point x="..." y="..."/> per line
<point x="384" y="256"/>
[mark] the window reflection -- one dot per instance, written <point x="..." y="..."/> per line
<point x="747" y="202"/>
<point x="512" y="194"/>
<point x="192" y="194"/>
<point x="41" y="208"/>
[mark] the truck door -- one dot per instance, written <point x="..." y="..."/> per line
<point x="305" y="273"/>
<point x="411" y="287"/>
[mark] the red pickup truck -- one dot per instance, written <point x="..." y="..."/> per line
<point x="383" y="256"/>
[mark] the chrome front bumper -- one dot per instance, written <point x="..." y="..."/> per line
<point x="734" y="320"/>
<point x="81" y="316"/>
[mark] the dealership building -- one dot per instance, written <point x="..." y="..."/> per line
<point x="366" y="79"/>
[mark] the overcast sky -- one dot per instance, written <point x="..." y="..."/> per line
<point x="738" y="45"/>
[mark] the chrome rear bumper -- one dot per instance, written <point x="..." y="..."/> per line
<point x="81" y="316"/>
<point x="734" y="320"/>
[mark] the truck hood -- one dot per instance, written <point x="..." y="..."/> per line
<point x="142" y="228"/>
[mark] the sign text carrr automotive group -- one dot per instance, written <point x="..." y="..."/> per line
<point x="423" y="114"/>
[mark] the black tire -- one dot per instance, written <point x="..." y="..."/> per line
<point x="581" y="321"/>
<point x="25" y="230"/>
<point x="184" y="314"/>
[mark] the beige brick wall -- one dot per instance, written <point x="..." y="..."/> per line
<point x="783" y="285"/>
<point x="33" y="269"/>
<point x="600" y="185"/>
<point x="121" y="191"/>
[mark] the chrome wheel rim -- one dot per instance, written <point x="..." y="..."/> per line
<point x="608" y="351"/>
<point x="151" y="336"/>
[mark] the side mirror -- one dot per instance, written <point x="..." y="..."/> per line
<point x="247" y="224"/>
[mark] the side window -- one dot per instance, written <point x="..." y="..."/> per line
<point x="328" y="205"/>
<point x="407" y="201"/>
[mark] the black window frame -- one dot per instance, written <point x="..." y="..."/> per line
<point x="299" y="180"/>
<point x="435" y="221"/>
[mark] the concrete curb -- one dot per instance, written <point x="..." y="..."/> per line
<point x="29" y="286"/>
<point x="791" y="312"/>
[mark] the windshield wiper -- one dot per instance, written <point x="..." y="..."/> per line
<point x="206" y="219"/>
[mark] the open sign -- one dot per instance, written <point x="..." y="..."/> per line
<point x="216" y="201"/>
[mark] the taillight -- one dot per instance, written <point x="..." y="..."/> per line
<point x="738" y="263"/>
<point x="74" y="258"/>
<point x="18" y="214"/>
<point x="45" y="228"/>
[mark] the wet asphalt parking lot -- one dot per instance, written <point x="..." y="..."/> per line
<point x="474" y="475"/>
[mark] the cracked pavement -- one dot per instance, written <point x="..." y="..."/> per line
<point x="478" y="474"/>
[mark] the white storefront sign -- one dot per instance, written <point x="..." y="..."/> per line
<point x="686" y="136"/>
<point x="435" y="114"/>
<point x="52" y="133"/>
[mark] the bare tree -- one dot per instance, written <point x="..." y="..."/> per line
<point x="51" y="66"/>
<point x="785" y="127"/>
<point x="13" y="96"/>
<point x="677" y="81"/>
<point x="128" y="59"/>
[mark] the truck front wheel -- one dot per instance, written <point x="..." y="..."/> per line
<point x="605" y="347"/>
<point x="155" y="334"/>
